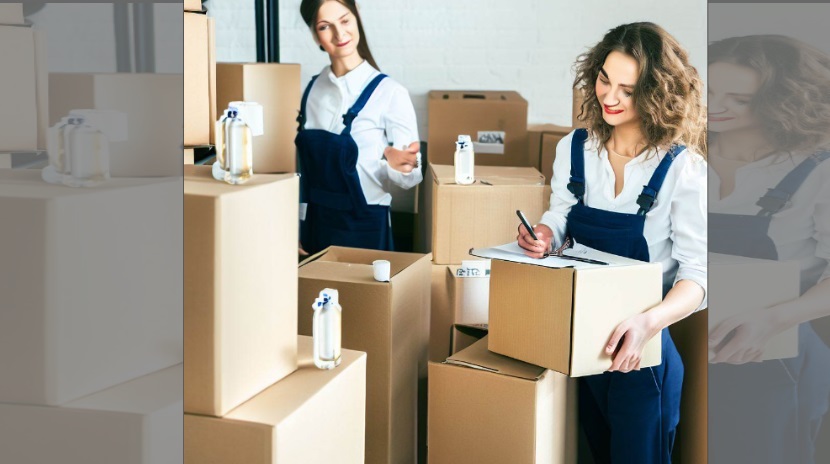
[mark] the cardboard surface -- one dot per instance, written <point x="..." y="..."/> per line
<point x="738" y="292"/>
<point x="11" y="13"/>
<point x="312" y="416"/>
<point x="240" y="284"/>
<point x="690" y="337"/>
<point x="66" y="334"/>
<point x="482" y="214"/>
<point x="388" y="321"/>
<point x="188" y="156"/>
<point x="192" y="5"/>
<point x="277" y="88"/>
<point x="567" y="327"/>
<point x="465" y="335"/>
<point x="442" y="314"/>
<point x="200" y="79"/>
<point x="154" y="113"/>
<point x="19" y="128"/>
<point x="470" y="112"/>
<point x="487" y="408"/>
<point x="542" y="140"/>
<point x="137" y="422"/>
<point x="470" y="297"/>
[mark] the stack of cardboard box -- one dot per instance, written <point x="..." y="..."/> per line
<point x="200" y="70"/>
<point x="91" y="360"/>
<point x="252" y="393"/>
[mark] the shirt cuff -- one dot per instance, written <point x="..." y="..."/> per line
<point x="697" y="276"/>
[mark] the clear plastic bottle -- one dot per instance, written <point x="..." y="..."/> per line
<point x="240" y="155"/>
<point x="220" y="167"/>
<point x="88" y="153"/>
<point x="326" y="329"/>
<point x="464" y="161"/>
<point x="56" y="149"/>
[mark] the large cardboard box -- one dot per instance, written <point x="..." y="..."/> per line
<point x="464" y="335"/>
<point x="193" y="5"/>
<point x="277" y="88"/>
<point x="690" y="337"/>
<point x="442" y="314"/>
<point x="25" y="89"/>
<point x="388" y="321"/>
<point x="542" y="140"/>
<point x="200" y="79"/>
<point x="482" y="214"/>
<point x="65" y="334"/>
<point x="137" y="422"/>
<point x="736" y="290"/>
<point x="240" y="287"/>
<point x="566" y="326"/>
<point x="312" y="416"/>
<point x="489" y="409"/>
<point x="470" y="293"/>
<point x="152" y="103"/>
<point x="496" y="121"/>
<point x="11" y="13"/>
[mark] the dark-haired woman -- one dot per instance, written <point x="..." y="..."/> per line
<point x="634" y="184"/>
<point x="357" y="135"/>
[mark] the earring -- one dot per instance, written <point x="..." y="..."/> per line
<point x="322" y="49"/>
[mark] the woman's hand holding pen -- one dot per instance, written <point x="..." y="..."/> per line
<point x="403" y="160"/>
<point x="535" y="248"/>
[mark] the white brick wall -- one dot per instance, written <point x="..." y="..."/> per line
<point x="523" y="45"/>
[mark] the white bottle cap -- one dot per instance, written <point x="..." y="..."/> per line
<point x="329" y="294"/>
<point x="465" y="139"/>
<point x="381" y="269"/>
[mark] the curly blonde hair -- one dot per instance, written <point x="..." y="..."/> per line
<point x="668" y="93"/>
<point x="793" y="102"/>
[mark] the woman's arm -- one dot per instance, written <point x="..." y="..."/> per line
<point x="402" y="167"/>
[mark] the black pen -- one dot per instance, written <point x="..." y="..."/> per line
<point x="526" y="224"/>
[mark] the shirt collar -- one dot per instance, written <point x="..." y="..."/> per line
<point x="356" y="79"/>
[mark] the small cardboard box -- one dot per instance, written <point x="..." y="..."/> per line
<point x="487" y="408"/>
<point x="566" y="325"/>
<point x="312" y="416"/>
<point x="199" y="79"/>
<point x="388" y="321"/>
<point x="25" y="88"/>
<point x="464" y="335"/>
<point x="482" y="214"/>
<point x="470" y="295"/>
<point x="11" y="13"/>
<point x="137" y="422"/>
<point x="65" y="334"/>
<point x="277" y="87"/>
<point x="495" y="120"/>
<point x="193" y="5"/>
<point x="689" y="335"/>
<point x="240" y="287"/>
<point x="542" y="141"/>
<point x="747" y="284"/>
<point x="152" y="103"/>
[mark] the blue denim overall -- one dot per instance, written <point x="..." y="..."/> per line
<point x="627" y="417"/>
<point x="337" y="212"/>
<point x="768" y="412"/>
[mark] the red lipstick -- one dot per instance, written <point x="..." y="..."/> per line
<point x="610" y="111"/>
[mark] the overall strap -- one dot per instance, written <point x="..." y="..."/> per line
<point x="649" y="195"/>
<point x="777" y="198"/>
<point x="350" y="115"/>
<point x="301" y="115"/>
<point x="577" y="182"/>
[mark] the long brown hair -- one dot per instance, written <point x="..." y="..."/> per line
<point x="309" y="9"/>
<point x="793" y="102"/>
<point x="668" y="94"/>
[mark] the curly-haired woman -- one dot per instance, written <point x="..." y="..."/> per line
<point x="634" y="184"/>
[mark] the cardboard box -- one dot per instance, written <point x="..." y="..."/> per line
<point x="442" y="314"/>
<point x="567" y="326"/>
<point x="482" y="214"/>
<point x="240" y="287"/>
<point x="137" y="422"/>
<point x="737" y="290"/>
<point x="470" y="296"/>
<point x="312" y="416"/>
<point x="477" y="113"/>
<point x="486" y="408"/>
<point x="188" y="156"/>
<point x="193" y="5"/>
<point x="690" y="337"/>
<point x="546" y="198"/>
<point x="542" y="141"/>
<point x="154" y="114"/>
<point x="11" y="13"/>
<point x="66" y="334"/>
<point x="278" y="89"/>
<point x="23" y="57"/>
<point x="578" y="98"/>
<point x="388" y="321"/>
<point x="464" y="335"/>
<point x="200" y="79"/>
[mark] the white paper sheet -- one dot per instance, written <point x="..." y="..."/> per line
<point x="512" y="252"/>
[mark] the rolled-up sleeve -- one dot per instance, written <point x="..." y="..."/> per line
<point x="561" y="199"/>
<point x="689" y="225"/>
<point x="401" y="127"/>
<point x="821" y="219"/>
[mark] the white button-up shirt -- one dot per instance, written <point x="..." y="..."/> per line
<point x="388" y="117"/>
<point x="800" y="231"/>
<point x="675" y="228"/>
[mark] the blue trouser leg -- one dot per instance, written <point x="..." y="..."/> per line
<point x="632" y="417"/>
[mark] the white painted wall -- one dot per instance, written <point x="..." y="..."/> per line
<point x="523" y="45"/>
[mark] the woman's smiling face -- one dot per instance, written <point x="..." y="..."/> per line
<point x="336" y="30"/>
<point x="731" y="90"/>
<point x="615" y="88"/>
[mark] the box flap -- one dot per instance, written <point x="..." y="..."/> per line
<point x="549" y="129"/>
<point x="398" y="261"/>
<point x="490" y="175"/>
<point x="477" y="356"/>
<point x="476" y="95"/>
<point x="512" y="252"/>
<point x="198" y="180"/>
<point x="342" y="272"/>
